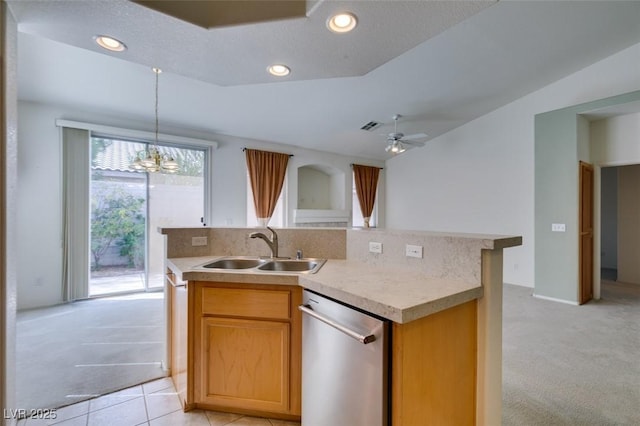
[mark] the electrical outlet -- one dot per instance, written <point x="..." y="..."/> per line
<point x="375" y="247"/>
<point x="413" y="251"/>
<point x="558" y="227"/>
<point x="198" y="241"/>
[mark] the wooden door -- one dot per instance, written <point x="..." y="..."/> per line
<point x="586" y="233"/>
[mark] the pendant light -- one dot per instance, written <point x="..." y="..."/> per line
<point x="151" y="159"/>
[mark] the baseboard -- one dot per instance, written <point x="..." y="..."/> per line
<point x="553" y="299"/>
<point x="519" y="285"/>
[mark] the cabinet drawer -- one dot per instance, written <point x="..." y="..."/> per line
<point x="249" y="303"/>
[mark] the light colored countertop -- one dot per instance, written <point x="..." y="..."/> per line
<point x="398" y="294"/>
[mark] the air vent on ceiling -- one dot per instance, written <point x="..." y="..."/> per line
<point x="371" y="125"/>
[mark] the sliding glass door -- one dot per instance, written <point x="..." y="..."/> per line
<point x="174" y="200"/>
<point x="127" y="208"/>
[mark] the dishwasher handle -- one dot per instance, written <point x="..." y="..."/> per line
<point x="364" y="339"/>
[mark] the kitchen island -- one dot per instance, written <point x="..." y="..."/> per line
<point x="445" y="311"/>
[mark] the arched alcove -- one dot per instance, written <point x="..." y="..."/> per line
<point x="321" y="197"/>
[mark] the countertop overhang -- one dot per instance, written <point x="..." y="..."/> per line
<point x="397" y="294"/>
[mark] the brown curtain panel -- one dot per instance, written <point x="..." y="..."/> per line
<point x="366" y="179"/>
<point x="266" y="173"/>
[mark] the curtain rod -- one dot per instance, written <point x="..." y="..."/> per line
<point x="352" y="164"/>
<point x="245" y="148"/>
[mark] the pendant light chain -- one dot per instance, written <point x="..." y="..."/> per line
<point x="157" y="71"/>
<point x="151" y="160"/>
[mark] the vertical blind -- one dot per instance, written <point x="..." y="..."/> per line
<point x="75" y="195"/>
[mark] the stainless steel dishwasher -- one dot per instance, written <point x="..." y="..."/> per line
<point x="344" y="365"/>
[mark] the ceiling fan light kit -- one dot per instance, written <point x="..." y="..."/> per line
<point x="397" y="142"/>
<point x="395" y="147"/>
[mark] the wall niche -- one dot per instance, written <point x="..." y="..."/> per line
<point x="321" y="197"/>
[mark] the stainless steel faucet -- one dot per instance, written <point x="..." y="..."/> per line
<point x="271" y="242"/>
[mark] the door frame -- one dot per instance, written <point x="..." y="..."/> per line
<point x="156" y="249"/>
<point x="597" y="219"/>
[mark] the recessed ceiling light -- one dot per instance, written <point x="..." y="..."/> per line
<point x="279" y="70"/>
<point x="110" y="43"/>
<point x="342" y="22"/>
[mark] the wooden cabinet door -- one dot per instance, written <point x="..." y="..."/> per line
<point x="245" y="364"/>
<point x="433" y="368"/>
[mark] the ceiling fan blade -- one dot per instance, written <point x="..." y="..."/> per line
<point x="414" y="137"/>
<point x="412" y="143"/>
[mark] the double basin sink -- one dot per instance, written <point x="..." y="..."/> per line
<point x="253" y="264"/>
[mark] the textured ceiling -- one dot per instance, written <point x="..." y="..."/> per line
<point x="439" y="64"/>
<point x="240" y="54"/>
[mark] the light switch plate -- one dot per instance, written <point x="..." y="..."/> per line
<point x="558" y="227"/>
<point x="198" y="241"/>
<point x="375" y="247"/>
<point x="413" y="251"/>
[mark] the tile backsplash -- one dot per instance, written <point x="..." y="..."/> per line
<point x="323" y="243"/>
<point x="444" y="255"/>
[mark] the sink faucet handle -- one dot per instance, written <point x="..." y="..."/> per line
<point x="271" y="242"/>
<point x="274" y="236"/>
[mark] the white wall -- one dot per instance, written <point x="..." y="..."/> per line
<point x="336" y="185"/>
<point x="609" y="218"/>
<point x="8" y="217"/>
<point x="614" y="140"/>
<point x="39" y="208"/>
<point x="480" y="176"/>
<point x="39" y="187"/>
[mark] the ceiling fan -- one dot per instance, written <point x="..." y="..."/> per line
<point x="398" y="142"/>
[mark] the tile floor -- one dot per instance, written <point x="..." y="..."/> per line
<point x="151" y="404"/>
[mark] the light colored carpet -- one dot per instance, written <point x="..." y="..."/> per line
<point x="572" y="365"/>
<point x="74" y="352"/>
